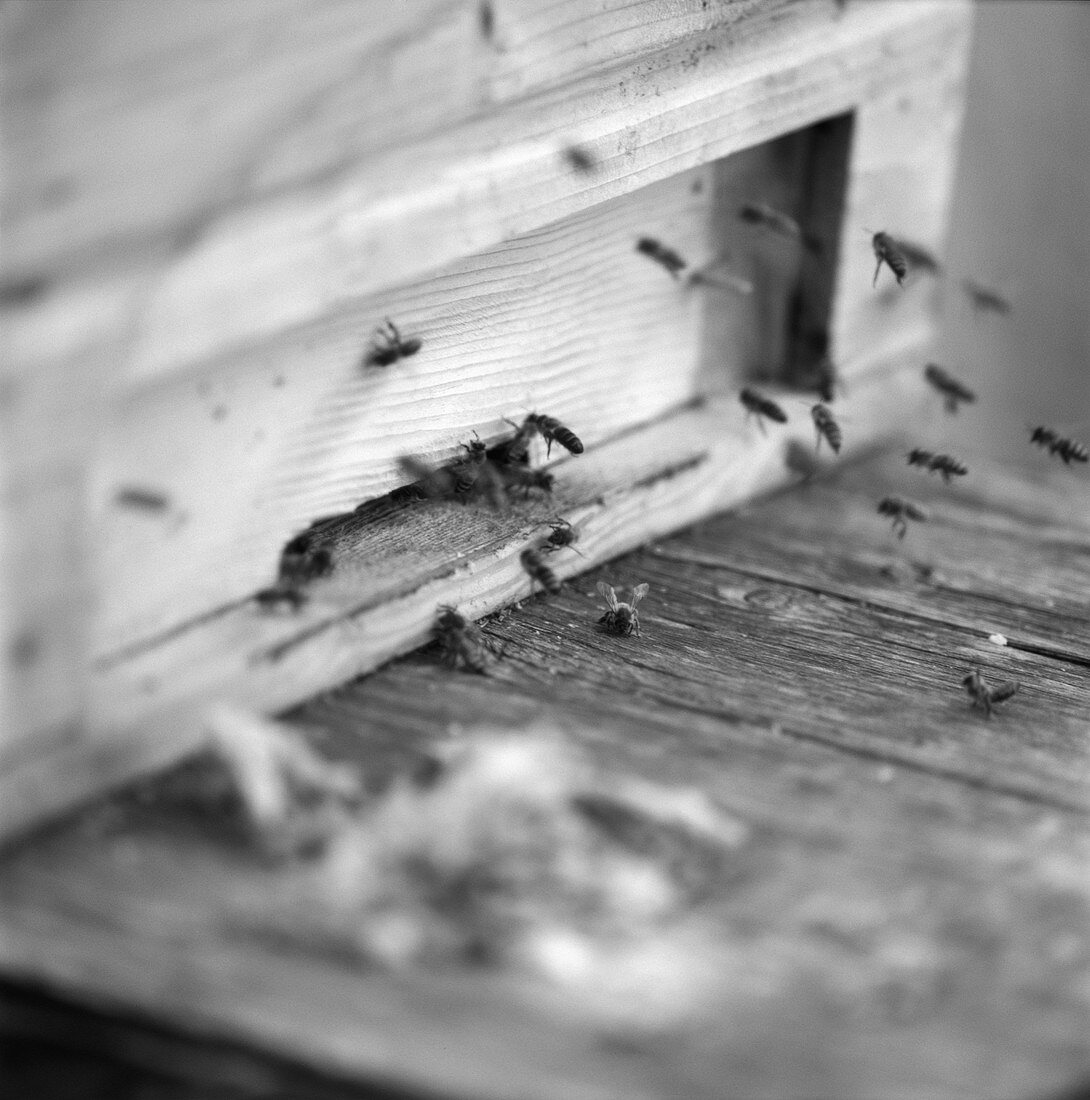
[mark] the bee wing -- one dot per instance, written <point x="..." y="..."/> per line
<point x="607" y="594"/>
<point x="638" y="593"/>
<point x="436" y="483"/>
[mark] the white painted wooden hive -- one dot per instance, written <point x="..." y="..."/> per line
<point x="207" y="216"/>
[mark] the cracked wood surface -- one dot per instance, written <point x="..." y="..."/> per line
<point x="907" y="918"/>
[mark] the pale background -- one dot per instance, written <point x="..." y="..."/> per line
<point x="1021" y="223"/>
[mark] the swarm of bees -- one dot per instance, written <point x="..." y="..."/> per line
<point x="984" y="695"/>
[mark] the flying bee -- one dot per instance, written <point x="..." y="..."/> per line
<point x="516" y="450"/>
<point x="522" y="478"/>
<point x="461" y="640"/>
<point x="919" y="457"/>
<point x="900" y="511"/>
<point x="1044" y="437"/>
<point x="827" y="428"/>
<point x="665" y="257"/>
<point x="621" y="618"/>
<point x="428" y="482"/>
<point x="768" y="217"/>
<point x="390" y="346"/>
<point x="918" y="257"/>
<point x="580" y="158"/>
<point x="563" y="535"/>
<point x="539" y="571"/>
<point x="888" y="252"/>
<point x="948" y="466"/>
<point x="552" y="431"/>
<point x="951" y="389"/>
<point x="757" y="404"/>
<point x="984" y="299"/>
<point x="985" y="696"/>
<point x="1070" y="451"/>
<point x="827" y="380"/>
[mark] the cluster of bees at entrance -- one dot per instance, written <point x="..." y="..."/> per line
<point x="492" y="474"/>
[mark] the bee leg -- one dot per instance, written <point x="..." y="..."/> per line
<point x="817" y="442"/>
<point x="877" y="268"/>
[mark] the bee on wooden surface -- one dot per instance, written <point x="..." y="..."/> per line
<point x="919" y="457"/>
<point x="918" y="257"/>
<point x="466" y="470"/>
<point x="552" y="431"/>
<point x="984" y="299"/>
<point x="621" y="618"/>
<point x="390" y="346"/>
<point x="948" y="466"/>
<point x="462" y="641"/>
<point x="887" y="251"/>
<point x="537" y="569"/>
<point x="520" y="477"/>
<point x="665" y="257"/>
<point x="580" y="158"/>
<point x="951" y="389"/>
<point x="827" y="428"/>
<point x="901" y="511"/>
<point x="757" y="404"/>
<point x="564" y="535"/>
<point x="984" y="695"/>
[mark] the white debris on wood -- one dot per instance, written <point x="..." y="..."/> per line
<point x="519" y="852"/>
<point x="997" y="639"/>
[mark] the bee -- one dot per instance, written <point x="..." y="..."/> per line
<point x="390" y="346"/>
<point x="983" y="299"/>
<point x="462" y="641"/>
<point x="580" y="158"/>
<point x="1068" y="449"/>
<point x="900" y="511"/>
<point x="621" y="618"/>
<point x="827" y="428"/>
<point x="950" y="388"/>
<point x="918" y="257"/>
<point x="948" y="466"/>
<point x="525" y="479"/>
<point x="563" y="535"/>
<point x="539" y="571"/>
<point x="516" y="450"/>
<point x="428" y="483"/>
<point x="919" y="457"/>
<point x="552" y="431"/>
<point x="756" y="403"/>
<point x="136" y="496"/>
<point x="887" y="251"/>
<point x="768" y="217"/>
<point x="985" y="696"/>
<point x="465" y="471"/>
<point x="662" y="255"/>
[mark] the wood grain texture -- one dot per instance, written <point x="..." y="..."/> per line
<point x="907" y="917"/>
<point x="203" y="344"/>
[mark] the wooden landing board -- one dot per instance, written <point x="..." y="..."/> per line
<point x="906" y="918"/>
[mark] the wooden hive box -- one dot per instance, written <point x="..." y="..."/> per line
<point x="207" y="215"/>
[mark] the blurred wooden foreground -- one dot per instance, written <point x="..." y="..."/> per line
<point x="907" y="918"/>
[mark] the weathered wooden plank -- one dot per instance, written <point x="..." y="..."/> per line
<point x="885" y="931"/>
<point x="299" y="253"/>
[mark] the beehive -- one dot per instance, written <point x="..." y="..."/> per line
<point x="206" y="217"/>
